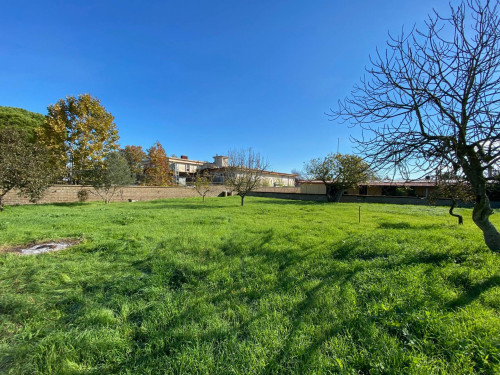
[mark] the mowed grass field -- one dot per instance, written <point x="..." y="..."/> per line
<point x="274" y="287"/>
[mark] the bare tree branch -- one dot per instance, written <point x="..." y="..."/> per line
<point x="244" y="171"/>
<point x="432" y="102"/>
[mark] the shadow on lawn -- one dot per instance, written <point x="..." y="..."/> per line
<point x="350" y="251"/>
<point x="403" y="225"/>
<point x="356" y="324"/>
<point x="295" y="272"/>
<point x="288" y="202"/>
<point x="474" y="292"/>
<point x="191" y="205"/>
<point x="288" y="356"/>
<point x="68" y="204"/>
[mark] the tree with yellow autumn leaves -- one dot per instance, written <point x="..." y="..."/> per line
<point x="79" y="133"/>
<point x="157" y="171"/>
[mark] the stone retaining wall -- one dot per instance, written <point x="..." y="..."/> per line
<point x="68" y="193"/>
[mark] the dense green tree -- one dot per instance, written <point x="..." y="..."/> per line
<point x="135" y="157"/>
<point x="79" y="133"/>
<point x="23" y="166"/>
<point x="338" y="172"/>
<point x="108" y="178"/>
<point x="21" y="119"/>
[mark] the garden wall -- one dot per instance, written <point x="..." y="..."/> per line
<point x="68" y="193"/>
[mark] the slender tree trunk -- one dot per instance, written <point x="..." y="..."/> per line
<point x="1" y="198"/>
<point x="242" y="200"/>
<point x="453" y="205"/>
<point x="481" y="217"/>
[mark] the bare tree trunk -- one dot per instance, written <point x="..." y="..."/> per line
<point x="1" y="198"/>
<point x="338" y="194"/>
<point x="482" y="208"/>
<point x="242" y="200"/>
<point x="453" y="205"/>
<point x="333" y="193"/>
<point x="480" y="215"/>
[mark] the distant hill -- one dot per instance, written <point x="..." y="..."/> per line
<point x="21" y="119"/>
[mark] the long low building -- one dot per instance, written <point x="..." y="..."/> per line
<point x="418" y="188"/>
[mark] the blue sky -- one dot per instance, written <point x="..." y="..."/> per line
<point x="203" y="77"/>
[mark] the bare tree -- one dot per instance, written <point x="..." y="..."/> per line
<point x="203" y="184"/>
<point x="300" y="174"/>
<point x="432" y="102"/>
<point x="244" y="171"/>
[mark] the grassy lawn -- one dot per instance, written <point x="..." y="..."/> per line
<point x="275" y="287"/>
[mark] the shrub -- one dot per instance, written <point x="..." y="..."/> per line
<point x="83" y="195"/>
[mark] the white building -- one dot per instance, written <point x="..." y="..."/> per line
<point x="184" y="171"/>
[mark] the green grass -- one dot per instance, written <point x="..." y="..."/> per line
<point x="274" y="287"/>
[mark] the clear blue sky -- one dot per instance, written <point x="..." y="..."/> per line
<point x="202" y="77"/>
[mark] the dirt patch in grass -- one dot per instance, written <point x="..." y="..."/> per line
<point x="41" y="247"/>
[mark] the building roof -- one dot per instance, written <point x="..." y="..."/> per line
<point x="423" y="183"/>
<point x="263" y="172"/>
<point x="281" y="174"/>
<point x="180" y="160"/>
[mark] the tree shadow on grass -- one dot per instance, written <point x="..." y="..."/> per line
<point x="348" y="252"/>
<point x="403" y="225"/>
<point x="472" y="293"/>
<point x="186" y="206"/>
<point x="289" y="202"/>
<point x="258" y="247"/>
<point x="233" y="246"/>
<point x="68" y="204"/>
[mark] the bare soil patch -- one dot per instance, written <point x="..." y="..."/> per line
<point x="40" y="248"/>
